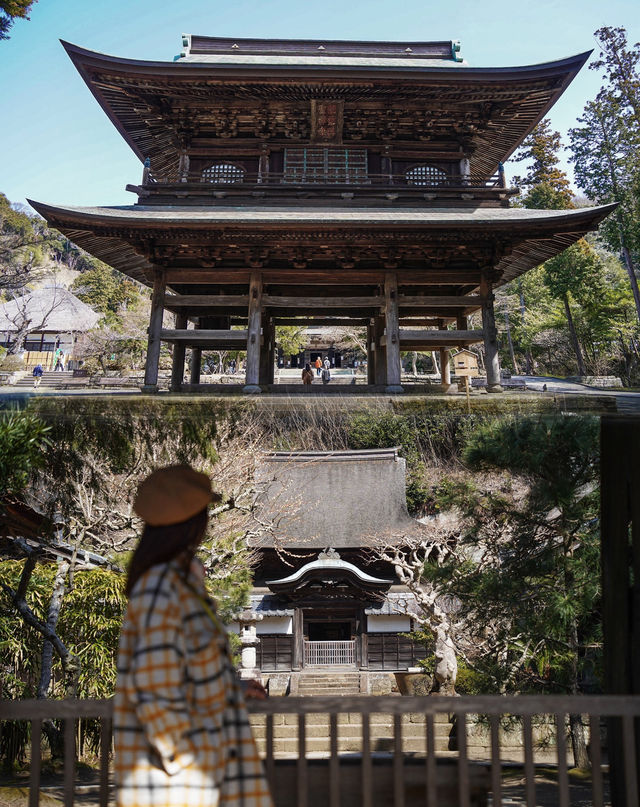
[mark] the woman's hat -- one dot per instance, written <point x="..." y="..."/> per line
<point x="173" y="494"/>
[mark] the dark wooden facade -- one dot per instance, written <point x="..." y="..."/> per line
<point x="321" y="181"/>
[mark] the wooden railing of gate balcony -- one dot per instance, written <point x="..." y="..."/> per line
<point x="469" y="181"/>
<point x="393" y="778"/>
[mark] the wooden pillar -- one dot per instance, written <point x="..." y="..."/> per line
<point x="196" y="362"/>
<point x="620" y="556"/>
<point x="252" y="381"/>
<point x="155" y="326"/>
<point x="379" y="355"/>
<point x="461" y="322"/>
<point x="371" y="353"/>
<point x="183" y="166"/>
<point x="272" y="353"/>
<point x="445" y="365"/>
<point x="266" y="354"/>
<point x="492" y="362"/>
<point x="179" y="350"/>
<point x="465" y="171"/>
<point x="297" y="651"/>
<point x="394" y="367"/>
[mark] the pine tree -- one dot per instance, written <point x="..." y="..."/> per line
<point x="605" y="148"/>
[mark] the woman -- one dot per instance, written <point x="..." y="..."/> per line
<point x="182" y="735"/>
<point x="307" y="374"/>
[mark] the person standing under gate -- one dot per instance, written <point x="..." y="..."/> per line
<point x="182" y="733"/>
<point x="318" y="365"/>
<point x="307" y="374"/>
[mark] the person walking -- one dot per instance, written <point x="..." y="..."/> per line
<point x="307" y="374"/>
<point x="37" y="375"/>
<point x="318" y="365"/>
<point x="326" y="374"/>
<point x="181" y="730"/>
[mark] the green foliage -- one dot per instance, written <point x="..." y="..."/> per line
<point x="24" y="441"/>
<point x="106" y="290"/>
<point x="470" y="681"/>
<point x="291" y="338"/>
<point x="388" y="430"/>
<point x="530" y="583"/>
<point x="89" y="626"/>
<point x="545" y="184"/>
<point x="91" y="618"/>
<point x="11" y="10"/>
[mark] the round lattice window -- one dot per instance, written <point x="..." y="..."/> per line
<point x="223" y="172"/>
<point x="425" y="175"/>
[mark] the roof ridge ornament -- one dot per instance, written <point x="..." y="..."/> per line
<point x="329" y="554"/>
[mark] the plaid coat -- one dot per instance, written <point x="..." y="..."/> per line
<point x="182" y="734"/>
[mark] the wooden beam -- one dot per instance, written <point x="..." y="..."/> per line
<point x="323" y="321"/>
<point x="433" y="339"/>
<point x="440" y="301"/>
<point x="174" y="302"/>
<point x="311" y="303"/>
<point x="198" y="337"/>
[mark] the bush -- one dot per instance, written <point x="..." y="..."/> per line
<point x="11" y="363"/>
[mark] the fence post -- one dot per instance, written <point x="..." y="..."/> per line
<point x="620" y="553"/>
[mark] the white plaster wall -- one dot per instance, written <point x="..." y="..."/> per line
<point x="396" y="623"/>
<point x="275" y="624"/>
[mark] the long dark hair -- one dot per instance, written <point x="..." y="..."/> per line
<point x="162" y="544"/>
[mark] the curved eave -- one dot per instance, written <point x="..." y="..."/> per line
<point x="535" y="235"/>
<point x="328" y="567"/>
<point x="158" y="143"/>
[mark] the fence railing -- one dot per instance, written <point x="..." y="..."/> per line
<point x="334" y="178"/>
<point x="328" y="654"/>
<point x="372" y="778"/>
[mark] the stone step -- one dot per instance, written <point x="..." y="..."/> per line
<point x="413" y="730"/>
<point x="353" y="718"/>
<point x="348" y="744"/>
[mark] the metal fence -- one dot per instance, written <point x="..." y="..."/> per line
<point x="329" y="654"/>
<point x="372" y="778"/>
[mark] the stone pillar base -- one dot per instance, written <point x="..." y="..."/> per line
<point x="449" y="389"/>
<point x="150" y="388"/>
<point x="494" y="388"/>
<point x="251" y="389"/>
<point x="394" y="389"/>
<point x="249" y="674"/>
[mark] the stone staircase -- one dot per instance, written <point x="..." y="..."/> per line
<point x="330" y="684"/>
<point x="285" y="734"/>
<point x="51" y="380"/>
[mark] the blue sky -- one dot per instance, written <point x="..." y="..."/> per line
<point x="58" y="146"/>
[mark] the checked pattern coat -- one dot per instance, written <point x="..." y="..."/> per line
<point x="182" y="734"/>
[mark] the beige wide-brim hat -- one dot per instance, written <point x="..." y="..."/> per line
<point x="173" y="494"/>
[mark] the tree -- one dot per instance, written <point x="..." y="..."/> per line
<point x="291" y="338"/>
<point x="529" y="584"/>
<point x="107" y="291"/>
<point x="21" y="238"/>
<point x="605" y="148"/>
<point x="23" y="444"/>
<point x="607" y="167"/>
<point x="11" y="10"/>
<point x="546" y="186"/>
<point x="577" y="272"/>
<point x="29" y="313"/>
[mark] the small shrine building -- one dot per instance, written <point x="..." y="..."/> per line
<point x="316" y="182"/>
<point x="323" y="599"/>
